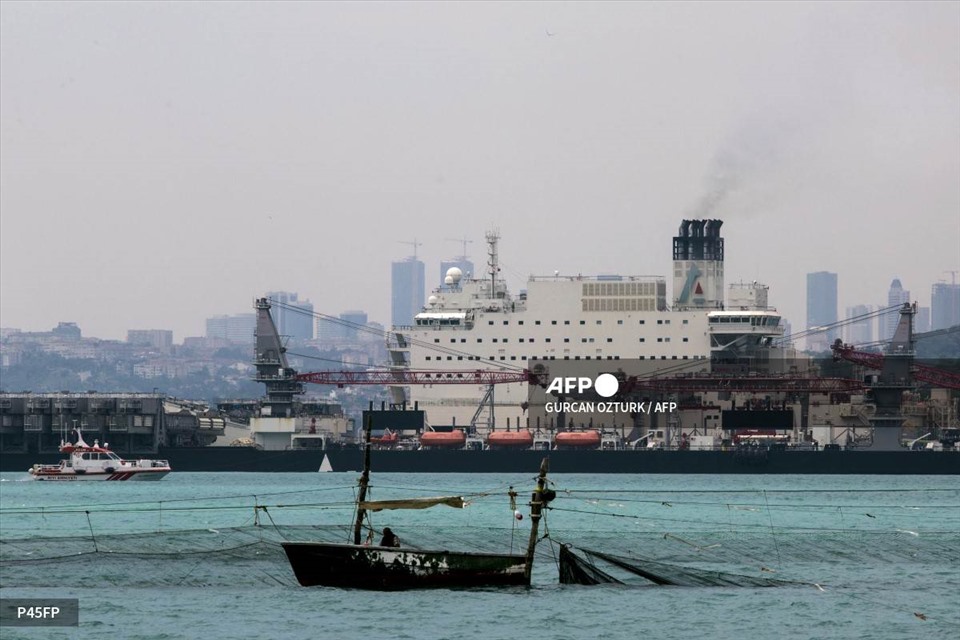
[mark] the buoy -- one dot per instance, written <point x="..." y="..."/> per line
<point x="518" y="515"/>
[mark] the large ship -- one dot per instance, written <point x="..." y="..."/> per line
<point x="482" y="381"/>
<point x="578" y="324"/>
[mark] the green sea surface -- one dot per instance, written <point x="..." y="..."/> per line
<point x="196" y="556"/>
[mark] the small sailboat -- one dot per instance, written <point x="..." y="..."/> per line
<point x="359" y="566"/>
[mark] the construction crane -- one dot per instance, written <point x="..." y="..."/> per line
<point x="414" y="243"/>
<point x="463" y="241"/>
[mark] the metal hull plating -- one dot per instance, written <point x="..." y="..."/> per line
<point x="386" y="568"/>
<point x="520" y="461"/>
<point x="117" y="476"/>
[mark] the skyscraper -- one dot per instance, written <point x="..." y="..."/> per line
<point x="293" y="317"/>
<point x="821" y="309"/>
<point x="407" y="285"/>
<point x="859" y="332"/>
<point x="944" y="306"/>
<point x="897" y="296"/>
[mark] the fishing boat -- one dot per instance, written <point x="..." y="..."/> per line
<point x="86" y="462"/>
<point x="381" y="567"/>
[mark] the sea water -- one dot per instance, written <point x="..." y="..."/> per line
<point x="872" y="556"/>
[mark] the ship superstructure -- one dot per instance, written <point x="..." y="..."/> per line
<point x="476" y="323"/>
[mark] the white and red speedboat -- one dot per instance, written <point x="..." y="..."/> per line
<point x="87" y="462"/>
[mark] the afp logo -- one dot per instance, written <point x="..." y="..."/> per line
<point x="606" y="385"/>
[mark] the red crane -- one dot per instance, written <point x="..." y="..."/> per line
<point x="924" y="373"/>
<point x="394" y="377"/>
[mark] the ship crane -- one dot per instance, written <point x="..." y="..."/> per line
<point x="395" y="377"/>
<point x="924" y="373"/>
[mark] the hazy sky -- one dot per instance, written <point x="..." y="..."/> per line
<point x="162" y="163"/>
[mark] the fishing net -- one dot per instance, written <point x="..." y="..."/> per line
<point x="576" y="569"/>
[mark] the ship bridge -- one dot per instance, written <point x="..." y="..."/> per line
<point x="743" y="327"/>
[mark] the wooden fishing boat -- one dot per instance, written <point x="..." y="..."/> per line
<point x="364" y="566"/>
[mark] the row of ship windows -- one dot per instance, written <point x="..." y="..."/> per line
<point x="582" y="322"/>
<point x="504" y="340"/>
<point x="440" y="358"/>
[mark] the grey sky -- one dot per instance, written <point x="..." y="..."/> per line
<point x="162" y="163"/>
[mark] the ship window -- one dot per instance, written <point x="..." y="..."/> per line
<point x="659" y="321"/>
<point x="599" y="321"/>
<point x="659" y="339"/>
<point x="666" y="339"/>
<point x="685" y="357"/>
<point x="566" y="339"/>
<point x="453" y="340"/>
<point x="495" y="339"/>
<point x="663" y="357"/>
<point x="582" y="322"/>
<point x="479" y="340"/>
<point x="666" y="322"/>
<point x="640" y="357"/>
<point x="436" y="339"/>
<point x="520" y="322"/>
<point x="490" y="322"/>
<point x="459" y="357"/>
<point x="643" y="322"/>
<point x="583" y="339"/>
<point x="463" y="339"/>
<point x="616" y="357"/>
<point x="503" y="357"/>
<point x="643" y="339"/>
<point x="513" y="357"/>
<point x="504" y="339"/>
<point x="587" y="357"/>
<point x="686" y="339"/>
<point x="576" y="357"/>
<point x="619" y="321"/>
<point x="553" y="322"/>
<point x="609" y="339"/>
<point x="506" y="322"/>
<point x="566" y="357"/>
<point x="428" y="357"/>
<point x="449" y="357"/>
<point x="529" y="340"/>
<point x="591" y="340"/>
<point x="537" y="322"/>
<point x="546" y="339"/>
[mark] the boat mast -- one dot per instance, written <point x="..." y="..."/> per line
<point x="536" y="509"/>
<point x="364" y="481"/>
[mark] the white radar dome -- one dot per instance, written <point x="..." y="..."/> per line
<point x="454" y="274"/>
<point x="432" y="300"/>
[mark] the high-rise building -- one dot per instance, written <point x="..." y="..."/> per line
<point x="896" y="297"/>
<point x="859" y="331"/>
<point x="237" y="329"/>
<point x="351" y="322"/>
<point x="293" y="317"/>
<point x="159" y="339"/>
<point x="462" y="263"/>
<point x="821" y="309"/>
<point x="944" y="306"/>
<point x="407" y="286"/>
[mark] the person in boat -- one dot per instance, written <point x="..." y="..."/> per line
<point x="389" y="539"/>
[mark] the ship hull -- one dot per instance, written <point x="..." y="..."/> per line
<point x="386" y="568"/>
<point x="211" y="459"/>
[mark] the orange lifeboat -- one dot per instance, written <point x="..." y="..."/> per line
<point x="389" y="438"/>
<point x="514" y="439"/>
<point x="578" y="439"/>
<point x="443" y="439"/>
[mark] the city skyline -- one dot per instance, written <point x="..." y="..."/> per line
<point x="147" y="156"/>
